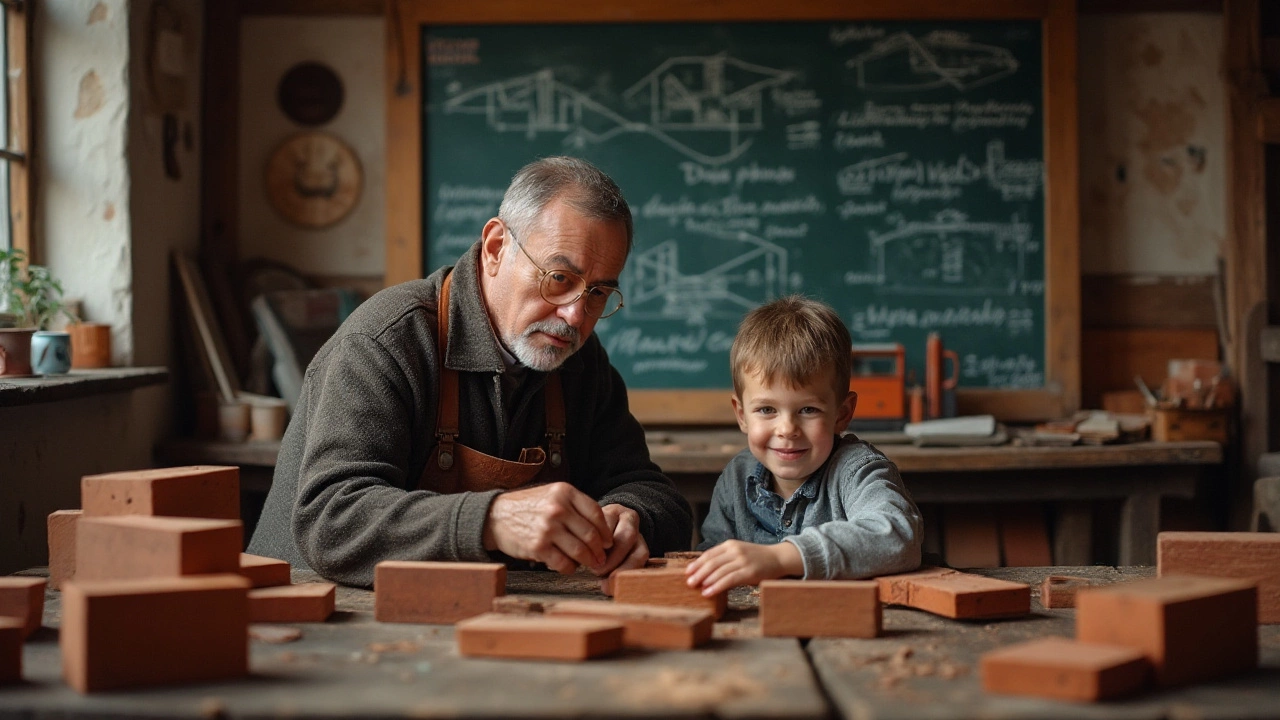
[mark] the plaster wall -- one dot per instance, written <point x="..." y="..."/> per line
<point x="1152" y="143"/>
<point x="353" y="49"/>
<point x="108" y="218"/>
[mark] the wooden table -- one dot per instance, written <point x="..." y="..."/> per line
<point x="922" y="666"/>
<point x="1137" y="474"/>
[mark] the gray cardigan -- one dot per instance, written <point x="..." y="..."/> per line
<point x="344" y="495"/>
<point x="853" y="518"/>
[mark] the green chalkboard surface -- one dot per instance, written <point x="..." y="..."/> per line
<point x="893" y="169"/>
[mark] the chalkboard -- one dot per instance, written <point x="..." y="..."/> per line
<point x="895" y="169"/>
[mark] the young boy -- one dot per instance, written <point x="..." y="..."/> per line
<point x="801" y="500"/>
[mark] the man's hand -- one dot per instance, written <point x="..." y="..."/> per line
<point x="555" y="524"/>
<point x="629" y="548"/>
<point x="733" y="563"/>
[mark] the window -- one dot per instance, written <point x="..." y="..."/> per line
<point x="15" y="125"/>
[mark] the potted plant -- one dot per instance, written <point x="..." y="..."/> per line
<point x="30" y="302"/>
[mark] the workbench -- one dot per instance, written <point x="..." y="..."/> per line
<point x="1138" y="475"/>
<point x="922" y="666"/>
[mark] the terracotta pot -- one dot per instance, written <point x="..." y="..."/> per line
<point x="90" y="345"/>
<point x="15" y="351"/>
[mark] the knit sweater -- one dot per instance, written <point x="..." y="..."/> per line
<point x="344" y="496"/>
<point x="853" y="518"/>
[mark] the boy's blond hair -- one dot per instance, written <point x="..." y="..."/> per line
<point x="795" y="339"/>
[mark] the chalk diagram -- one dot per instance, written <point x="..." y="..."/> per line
<point x="699" y="106"/>
<point x="1015" y="180"/>
<point x="658" y="287"/>
<point x="902" y="62"/>
<point x="948" y="255"/>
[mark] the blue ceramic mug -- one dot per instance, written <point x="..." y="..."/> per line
<point x="50" y="352"/>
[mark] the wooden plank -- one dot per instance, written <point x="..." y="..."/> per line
<point x="1116" y="355"/>
<point x="1024" y="535"/>
<point x="21" y="182"/>
<point x="219" y="131"/>
<point x="1073" y="533"/>
<point x="1145" y="301"/>
<point x="1247" y="259"/>
<point x="970" y="537"/>
<point x="214" y="357"/>
<point x="78" y="384"/>
<point x="1268" y="113"/>
<point x="1061" y="395"/>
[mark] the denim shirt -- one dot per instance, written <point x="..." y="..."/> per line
<point x="852" y="518"/>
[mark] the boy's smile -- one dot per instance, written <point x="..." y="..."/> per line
<point x="791" y="430"/>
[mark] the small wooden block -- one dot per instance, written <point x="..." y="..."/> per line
<point x="12" y="631"/>
<point x="134" y="546"/>
<point x="157" y="631"/>
<point x="306" y="602"/>
<point x="1059" y="591"/>
<point x="264" y="571"/>
<point x="820" y="608"/>
<point x="537" y="637"/>
<point x="646" y="626"/>
<point x="22" y="599"/>
<point x="1244" y="555"/>
<point x="1190" y="627"/>
<point x="200" y="491"/>
<point x="664" y="586"/>
<point x="970" y="597"/>
<point x="408" y="591"/>
<point x="1063" y="669"/>
<point x="62" y="546"/>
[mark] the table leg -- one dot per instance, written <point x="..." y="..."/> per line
<point x="1073" y="533"/>
<point x="1139" y="525"/>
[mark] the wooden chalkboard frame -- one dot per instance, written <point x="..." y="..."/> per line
<point x="1061" y="392"/>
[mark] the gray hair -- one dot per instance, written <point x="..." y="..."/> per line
<point x="583" y="186"/>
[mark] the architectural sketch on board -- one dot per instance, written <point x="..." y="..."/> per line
<point x="657" y="286"/>
<point x="902" y="62"/>
<point x="699" y="106"/>
<point x="949" y="255"/>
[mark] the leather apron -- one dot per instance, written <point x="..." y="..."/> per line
<point x="454" y="467"/>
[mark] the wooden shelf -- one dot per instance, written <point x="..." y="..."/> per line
<point x="77" y="384"/>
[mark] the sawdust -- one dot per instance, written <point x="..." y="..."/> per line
<point x="274" y="634"/>
<point x="399" y="646"/>
<point x="686" y="688"/>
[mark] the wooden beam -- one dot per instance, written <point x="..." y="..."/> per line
<point x="312" y="7"/>
<point x="1245" y="249"/>
<point x="1146" y="301"/>
<point x="1112" y="7"/>
<point x="21" y="134"/>
<point x="220" y="109"/>
<point x="1268" y="115"/>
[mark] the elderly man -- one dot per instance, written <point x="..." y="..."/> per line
<point x="473" y="416"/>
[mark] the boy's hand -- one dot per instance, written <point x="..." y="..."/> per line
<point x="733" y="563"/>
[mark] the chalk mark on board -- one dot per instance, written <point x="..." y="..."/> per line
<point x="657" y="287"/>
<point x="901" y="62"/>
<point x="949" y="255"/>
<point x="716" y="95"/>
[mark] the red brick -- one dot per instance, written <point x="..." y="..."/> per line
<point x="896" y="589"/>
<point x="1059" y="591"/>
<point x="645" y="626"/>
<point x="535" y="637"/>
<point x="1191" y="628"/>
<point x="1248" y="556"/>
<point x="970" y="597"/>
<point x="62" y="546"/>
<point x="203" y="491"/>
<point x="820" y="608"/>
<point x="664" y="586"/>
<point x="435" y="592"/>
<point x="1063" y="669"/>
<point x="12" y="631"/>
<point x="264" y="571"/>
<point x="159" y="631"/>
<point x="22" y="599"/>
<point x="118" y="548"/>
<point x="305" y="602"/>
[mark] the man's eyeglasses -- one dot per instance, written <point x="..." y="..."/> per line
<point x="564" y="287"/>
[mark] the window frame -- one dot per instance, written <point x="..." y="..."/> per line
<point x="16" y="152"/>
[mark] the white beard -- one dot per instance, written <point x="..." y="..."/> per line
<point x="544" y="358"/>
